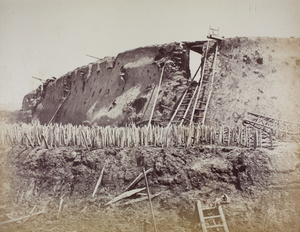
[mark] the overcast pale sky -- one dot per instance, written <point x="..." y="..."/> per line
<point x="46" y="38"/>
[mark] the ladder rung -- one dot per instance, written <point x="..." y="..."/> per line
<point x="181" y="117"/>
<point x="178" y="52"/>
<point x="209" y="217"/>
<point x="210" y="208"/>
<point x="199" y="109"/>
<point x="215" y="226"/>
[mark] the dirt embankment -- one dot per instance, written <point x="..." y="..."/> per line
<point x="263" y="186"/>
<point x="256" y="75"/>
<point x="114" y="90"/>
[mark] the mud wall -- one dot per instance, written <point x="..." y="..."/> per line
<point x="258" y="75"/>
<point x="262" y="185"/>
<point x="114" y="91"/>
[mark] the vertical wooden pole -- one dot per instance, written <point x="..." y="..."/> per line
<point x="154" y="104"/>
<point x="260" y="138"/>
<point x="85" y="142"/>
<point x="149" y="198"/>
<point x="255" y="139"/>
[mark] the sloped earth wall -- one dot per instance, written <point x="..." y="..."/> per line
<point x="263" y="185"/>
<point x="256" y="75"/>
<point x="115" y="90"/>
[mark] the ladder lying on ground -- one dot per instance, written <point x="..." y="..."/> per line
<point x="194" y="102"/>
<point x="212" y="219"/>
<point x="273" y="126"/>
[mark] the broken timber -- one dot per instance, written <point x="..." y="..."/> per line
<point x="99" y="180"/>
<point x="124" y="195"/>
<point x="141" y="199"/>
<point x="136" y="180"/>
<point x="21" y="218"/>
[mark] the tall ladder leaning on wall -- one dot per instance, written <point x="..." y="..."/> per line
<point x="193" y="105"/>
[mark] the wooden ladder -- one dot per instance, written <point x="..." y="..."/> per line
<point x="194" y="102"/>
<point x="212" y="219"/>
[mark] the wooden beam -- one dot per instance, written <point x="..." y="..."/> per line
<point x="21" y="218"/>
<point x="58" y="108"/>
<point x="99" y="180"/>
<point x="141" y="199"/>
<point x="159" y="84"/>
<point x="124" y="195"/>
<point x="136" y="180"/>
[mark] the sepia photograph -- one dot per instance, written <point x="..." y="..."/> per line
<point x="149" y="116"/>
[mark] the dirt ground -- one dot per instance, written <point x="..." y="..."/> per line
<point x="263" y="186"/>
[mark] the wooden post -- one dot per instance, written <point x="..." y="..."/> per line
<point x="160" y="79"/>
<point x="46" y="144"/>
<point x="145" y="110"/>
<point x="246" y="136"/>
<point x="255" y="139"/>
<point x="99" y="180"/>
<point x="85" y="142"/>
<point x="149" y="197"/>
<point x="60" y="205"/>
<point x="228" y="142"/>
<point x="260" y="138"/>
<point x="30" y="143"/>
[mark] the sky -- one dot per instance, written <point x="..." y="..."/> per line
<point x="46" y="38"/>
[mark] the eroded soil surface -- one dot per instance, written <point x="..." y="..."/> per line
<point x="263" y="185"/>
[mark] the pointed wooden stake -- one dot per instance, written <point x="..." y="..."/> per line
<point x="99" y="180"/>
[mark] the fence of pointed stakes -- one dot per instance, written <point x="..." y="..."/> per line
<point x="57" y="135"/>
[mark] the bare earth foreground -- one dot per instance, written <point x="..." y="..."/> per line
<point x="263" y="185"/>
